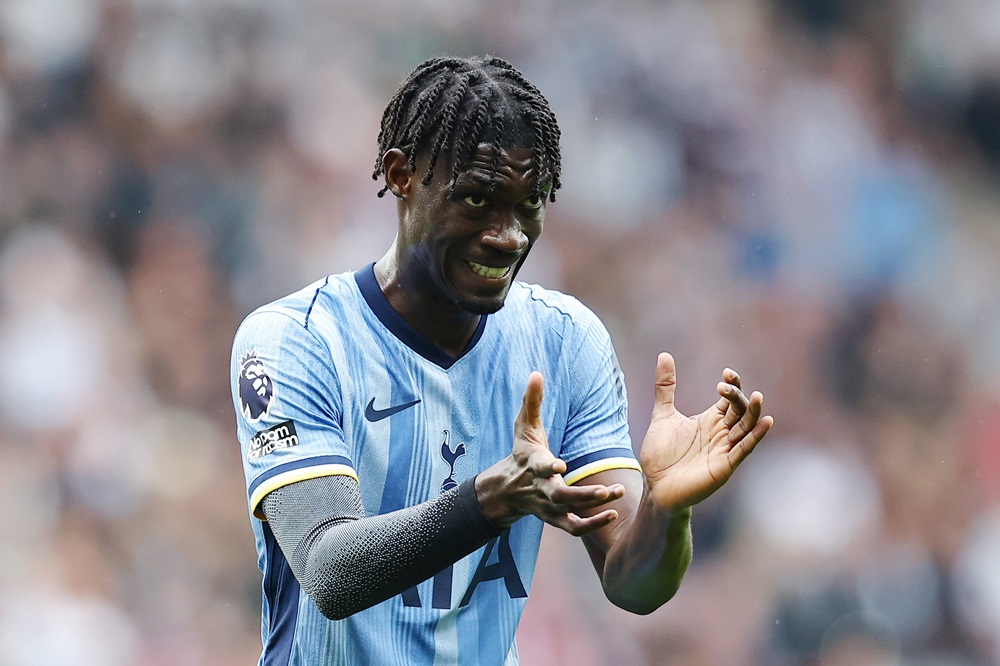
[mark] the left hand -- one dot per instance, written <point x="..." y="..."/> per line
<point x="687" y="458"/>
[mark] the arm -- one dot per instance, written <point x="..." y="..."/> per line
<point x="347" y="562"/>
<point x="643" y="557"/>
<point x="639" y="537"/>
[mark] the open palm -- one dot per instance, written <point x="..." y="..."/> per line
<point x="687" y="458"/>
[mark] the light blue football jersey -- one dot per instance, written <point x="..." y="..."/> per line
<point x="331" y="380"/>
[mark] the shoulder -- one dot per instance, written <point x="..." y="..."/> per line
<point x="552" y="309"/>
<point x="313" y="300"/>
<point x="302" y="313"/>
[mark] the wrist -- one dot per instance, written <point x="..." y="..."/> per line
<point x="671" y="513"/>
<point x="489" y="491"/>
<point x="469" y="502"/>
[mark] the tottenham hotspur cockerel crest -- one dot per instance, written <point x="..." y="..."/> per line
<point x="451" y="457"/>
<point x="256" y="388"/>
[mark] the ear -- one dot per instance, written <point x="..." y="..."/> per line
<point x="398" y="175"/>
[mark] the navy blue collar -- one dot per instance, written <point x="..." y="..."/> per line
<point x="379" y="304"/>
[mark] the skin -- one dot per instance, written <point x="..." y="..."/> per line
<point x="425" y="274"/>
<point x="636" y="527"/>
<point x="640" y="539"/>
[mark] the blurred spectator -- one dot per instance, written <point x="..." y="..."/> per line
<point x="804" y="190"/>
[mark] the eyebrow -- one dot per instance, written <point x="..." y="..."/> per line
<point x="472" y="178"/>
<point x="481" y="179"/>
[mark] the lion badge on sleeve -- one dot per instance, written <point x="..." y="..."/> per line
<point x="256" y="388"/>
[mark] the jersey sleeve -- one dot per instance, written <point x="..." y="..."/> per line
<point x="289" y="406"/>
<point x="596" y="437"/>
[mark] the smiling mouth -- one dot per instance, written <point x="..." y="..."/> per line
<point x="488" y="271"/>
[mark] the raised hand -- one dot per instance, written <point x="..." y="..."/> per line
<point x="687" y="458"/>
<point x="529" y="480"/>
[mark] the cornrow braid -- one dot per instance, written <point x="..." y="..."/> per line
<point x="464" y="146"/>
<point x="426" y="100"/>
<point x="447" y="125"/>
<point x="531" y="116"/>
<point x="495" y="161"/>
<point x="542" y="120"/>
<point x="450" y="106"/>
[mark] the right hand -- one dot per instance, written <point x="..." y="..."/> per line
<point x="530" y="481"/>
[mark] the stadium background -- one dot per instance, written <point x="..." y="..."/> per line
<point x="806" y="190"/>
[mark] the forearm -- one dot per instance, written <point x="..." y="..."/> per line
<point x="648" y="557"/>
<point x="347" y="563"/>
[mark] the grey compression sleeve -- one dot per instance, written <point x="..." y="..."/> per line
<point x="346" y="561"/>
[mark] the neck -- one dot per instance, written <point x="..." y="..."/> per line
<point x="445" y="324"/>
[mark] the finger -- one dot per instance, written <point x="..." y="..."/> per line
<point x="586" y="507"/>
<point x="542" y="463"/>
<point x="531" y="405"/>
<point x="586" y="497"/>
<point x="665" y="381"/>
<point x="749" y="418"/>
<point x="528" y="425"/>
<point x="730" y="376"/>
<point x="732" y="403"/>
<point x="746" y="445"/>
<point x="578" y="526"/>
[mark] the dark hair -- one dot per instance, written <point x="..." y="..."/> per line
<point x="452" y="105"/>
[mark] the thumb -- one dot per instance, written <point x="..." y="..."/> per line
<point x="531" y="406"/>
<point x="665" y="381"/>
<point x="529" y="431"/>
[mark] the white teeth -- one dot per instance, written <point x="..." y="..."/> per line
<point x="487" y="271"/>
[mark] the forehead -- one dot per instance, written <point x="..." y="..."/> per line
<point x="511" y="164"/>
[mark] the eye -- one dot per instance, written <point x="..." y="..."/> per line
<point x="476" y="200"/>
<point x="535" y="201"/>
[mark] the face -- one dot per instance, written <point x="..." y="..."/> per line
<point x="462" y="247"/>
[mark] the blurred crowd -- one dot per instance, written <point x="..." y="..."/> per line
<point x="805" y="190"/>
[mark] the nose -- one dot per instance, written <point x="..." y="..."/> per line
<point x="506" y="234"/>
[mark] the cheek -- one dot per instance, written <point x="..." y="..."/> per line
<point x="532" y="227"/>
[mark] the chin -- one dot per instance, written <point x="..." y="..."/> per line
<point x="482" y="304"/>
<point x="482" y="307"/>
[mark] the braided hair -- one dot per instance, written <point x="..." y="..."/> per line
<point x="449" y="106"/>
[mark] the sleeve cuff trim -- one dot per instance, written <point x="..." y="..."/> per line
<point x="288" y="474"/>
<point x="602" y="465"/>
